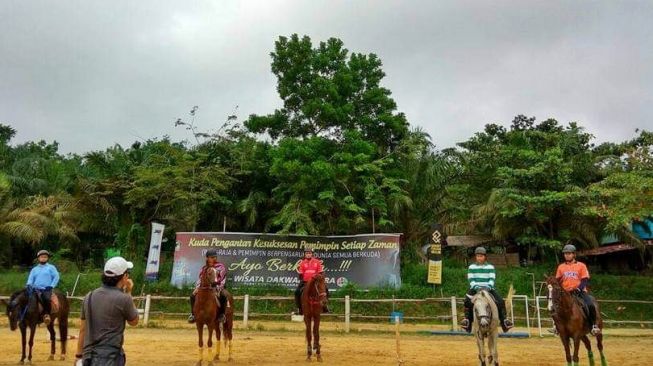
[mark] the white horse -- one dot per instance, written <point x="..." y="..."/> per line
<point x="486" y="325"/>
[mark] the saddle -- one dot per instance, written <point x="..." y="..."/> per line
<point x="54" y="303"/>
<point x="583" y="306"/>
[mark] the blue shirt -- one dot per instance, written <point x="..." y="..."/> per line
<point x="42" y="276"/>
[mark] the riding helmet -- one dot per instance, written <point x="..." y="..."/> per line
<point x="569" y="249"/>
<point x="42" y="252"/>
<point x="480" y="250"/>
<point x="211" y="253"/>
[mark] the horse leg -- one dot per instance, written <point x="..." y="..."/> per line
<point x="32" y="333"/>
<point x="481" y="348"/>
<point x="229" y="334"/>
<point x="23" y="341"/>
<point x="200" y="342"/>
<point x="307" y="323"/>
<point x="63" y="333"/>
<point x="492" y="345"/>
<point x="316" y="337"/>
<point x="209" y="345"/>
<point x="217" y="342"/>
<point x="53" y="339"/>
<point x="599" y="345"/>
<point x="588" y="346"/>
<point x="576" y="349"/>
<point x="566" y="345"/>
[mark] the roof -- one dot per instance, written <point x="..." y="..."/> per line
<point x="614" y="248"/>
<point x="467" y="240"/>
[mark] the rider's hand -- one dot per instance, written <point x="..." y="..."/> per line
<point x="578" y="291"/>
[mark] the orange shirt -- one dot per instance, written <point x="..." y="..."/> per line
<point x="308" y="268"/>
<point x="570" y="274"/>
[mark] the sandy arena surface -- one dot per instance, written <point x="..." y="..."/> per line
<point x="279" y="343"/>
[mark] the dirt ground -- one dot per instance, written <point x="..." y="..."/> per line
<point x="276" y="343"/>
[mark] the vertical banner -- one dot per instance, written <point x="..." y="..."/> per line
<point x="435" y="258"/>
<point x="152" y="269"/>
<point x="268" y="259"/>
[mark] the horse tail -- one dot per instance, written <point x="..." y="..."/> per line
<point x="508" y="299"/>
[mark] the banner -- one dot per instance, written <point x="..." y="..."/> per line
<point x="435" y="258"/>
<point x="152" y="268"/>
<point x="269" y="259"/>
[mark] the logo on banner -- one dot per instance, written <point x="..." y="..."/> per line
<point x="435" y="259"/>
<point x="154" y="256"/>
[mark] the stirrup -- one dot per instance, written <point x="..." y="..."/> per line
<point x="553" y="331"/>
<point x="221" y="318"/>
<point x="507" y="325"/>
<point x="464" y="323"/>
<point x="595" y="330"/>
<point x="191" y="319"/>
<point x="46" y="319"/>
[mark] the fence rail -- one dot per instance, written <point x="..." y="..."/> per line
<point x="530" y="307"/>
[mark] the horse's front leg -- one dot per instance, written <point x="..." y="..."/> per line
<point x="588" y="346"/>
<point x="481" y="348"/>
<point x="53" y="339"/>
<point x="217" y="342"/>
<point x="200" y="343"/>
<point x="576" y="349"/>
<point x="566" y="345"/>
<point x="32" y="333"/>
<point x="316" y="337"/>
<point x="492" y="345"/>
<point x="209" y="346"/>
<point x="23" y="341"/>
<point x="307" y="323"/>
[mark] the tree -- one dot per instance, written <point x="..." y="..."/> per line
<point x="326" y="92"/>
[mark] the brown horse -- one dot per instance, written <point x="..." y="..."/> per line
<point x="314" y="298"/>
<point x="572" y="324"/>
<point x="206" y="311"/>
<point x="24" y="311"/>
<point x="227" y="326"/>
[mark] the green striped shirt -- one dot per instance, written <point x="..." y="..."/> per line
<point x="481" y="275"/>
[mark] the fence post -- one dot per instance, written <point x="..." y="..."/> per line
<point x="454" y="314"/>
<point x="528" y="319"/>
<point x="245" y="311"/>
<point x="347" y="313"/>
<point x="539" y="320"/>
<point x="146" y="312"/>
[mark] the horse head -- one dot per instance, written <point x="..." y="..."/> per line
<point x="482" y="309"/>
<point x="16" y="303"/>
<point x="554" y="292"/>
<point x="319" y="286"/>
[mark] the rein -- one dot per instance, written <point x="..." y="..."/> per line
<point x="316" y="300"/>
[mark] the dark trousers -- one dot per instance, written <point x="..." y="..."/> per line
<point x="589" y="302"/>
<point x="469" y="307"/>
<point x="46" y="298"/>
<point x="298" y="294"/>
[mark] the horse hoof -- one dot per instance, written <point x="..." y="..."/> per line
<point x="51" y="358"/>
<point x="21" y="362"/>
<point x="319" y="358"/>
<point x="308" y="359"/>
<point x="230" y="359"/>
<point x="62" y="358"/>
<point x="199" y="363"/>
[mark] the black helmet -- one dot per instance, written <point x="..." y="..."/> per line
<point x="211" y="253"/>
<point x="480" y="250"/>
<point x="42" y="252"/>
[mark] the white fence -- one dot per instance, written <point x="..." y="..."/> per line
<point x="528" y="307"/>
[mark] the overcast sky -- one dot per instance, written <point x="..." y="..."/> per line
<point x="90" y="74"/>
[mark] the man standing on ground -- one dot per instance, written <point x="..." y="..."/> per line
<point x="104" y="313"/>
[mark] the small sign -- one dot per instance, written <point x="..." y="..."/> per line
<point x="435" y="258"/>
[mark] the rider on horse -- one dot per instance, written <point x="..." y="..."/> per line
<point x="219" y="283"/>
<point x="574" y="277"/>
<point x="44" y="277"/>
<point x="482" y="275"/>
<point x="307" y="268"/>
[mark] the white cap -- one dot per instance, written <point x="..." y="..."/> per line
<point x="116" y="266"/>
